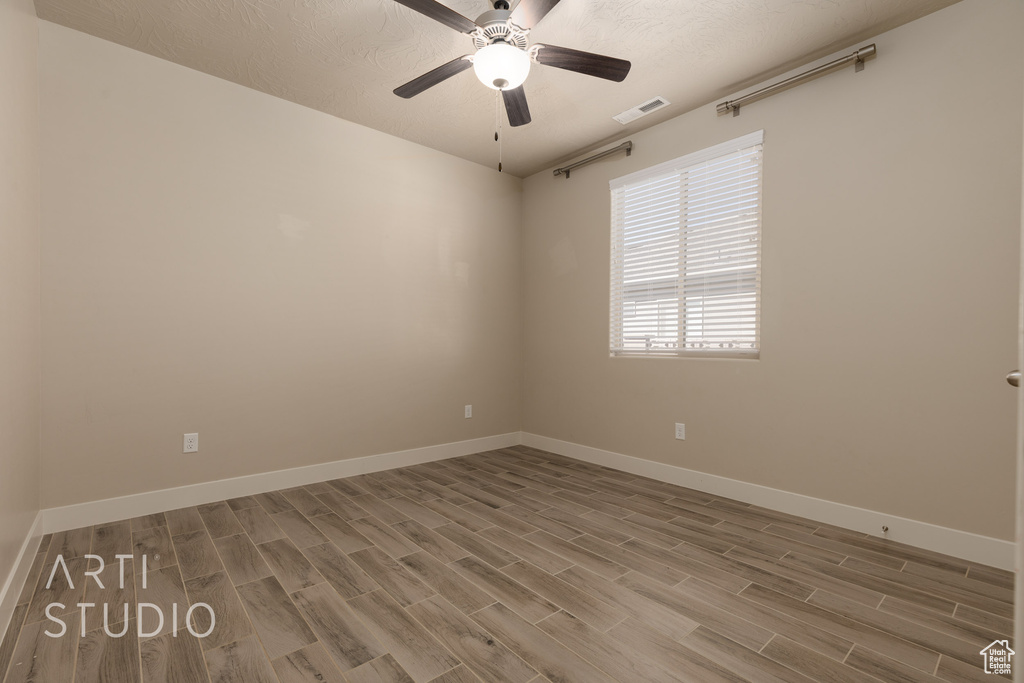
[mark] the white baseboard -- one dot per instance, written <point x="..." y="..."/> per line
<point x="11" y="590"/>
<point x="124" y="507"/>
<point x="974" y="547"/>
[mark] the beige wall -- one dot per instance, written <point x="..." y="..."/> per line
<point x="890" y="284"/>
<point x="204" y="247"/>
<point x="296" y="288"/>
<point x="19" y="278"/>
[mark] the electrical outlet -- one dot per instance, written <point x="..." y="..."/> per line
<point x="191" y="443"/>
<point x="469" y="411"/>
<point x="680" y="431"/>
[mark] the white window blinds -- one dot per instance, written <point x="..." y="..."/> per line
<point x="686" y="255"/>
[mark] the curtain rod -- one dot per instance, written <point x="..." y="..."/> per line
<point x="857" y="58"/>
<point x="627" y="145"/>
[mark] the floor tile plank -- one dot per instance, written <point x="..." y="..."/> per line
<point x="242" y="661"/>
<point x="384" y="537"/>
<point x="184" y="521"/>
<point x="796" y="630"/>
<point x="34" y="576"/>
<point x="258" y="524"/>
<point x="173" y="659"/>
<point x="811" y="664"/>
<point x="341" y="632"/>
<point x="640" y="608"/>
<point x="534" y="554"/>
<point x="196" y="554"/>
<point x="405" y="638"/>
<point x="305" y="502"/>
<point x="844" y="627"/>
<point x="103" y="659"/>
<point x="417" y="512"/>
<point x="341" y="533"/>
<point x="38" y="657"/>
<point x="984" y="619"/>
<point x="273" y="502"/>
<point x="310" y="664"/>
<point x="477" y="545"/>
<point x="488" y="658"/>
<point x="964" y="630"/>
<point x="153" y="549"/>
<point x="65" y="587"/>
<point x="513" y="594"/>
<point x="500" y="519"/>
<point x="118" y="591"/>
<point x="719" y="620"/>
<point x="379" y="508"/>
<point x="231" y="622"/>
<point x="163" y="588"/>
<point x="220" y="521"/>
<point x="342" y="506"/>
<point x="300" y="530"/>
<point x="751" y="665"/>
<point x="577" y="555"/>
<point x="457" y="514"/>
<point x="148" y="521"/>
<point x="339" y="570"/>
<point x="543" y="653"/>
<point x="111" y="540"/>
<point x="614" y="656"/>
<point x="69" y="544"/>
<point x="242" y="503"/>
<point x="435" y="544"/>
<point x="885" y="668"/>
<point x="579" y="604"/>
<point x="461" y="674"/>
<point x="381" y="670"/>
<point x="451" y="586"/>
<point x="241" y="559"/>
<point x="955" y="671"/>
<point x="277" y="621"/>
<point x="11" y="637"/>
<point x="290" y="565"/>
<point x="393" y="577"/>
<point x="909" y="631"/>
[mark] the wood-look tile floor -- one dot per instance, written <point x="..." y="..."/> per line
<point x="513" y="565"/>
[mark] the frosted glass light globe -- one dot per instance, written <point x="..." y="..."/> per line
<point x="501" y="66"/>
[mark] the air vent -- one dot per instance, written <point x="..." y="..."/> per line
<point x="641" y="110"/>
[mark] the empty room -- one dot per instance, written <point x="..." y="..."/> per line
<point x="525" y="341"/>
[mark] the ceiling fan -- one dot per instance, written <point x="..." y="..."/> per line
<point x="503" y="56"/>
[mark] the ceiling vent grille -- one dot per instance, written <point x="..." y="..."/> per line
<point x="644" y="109"/>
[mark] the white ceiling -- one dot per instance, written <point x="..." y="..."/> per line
<point x="344" y="57"/>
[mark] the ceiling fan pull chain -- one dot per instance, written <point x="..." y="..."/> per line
<point x="497" y="124"/>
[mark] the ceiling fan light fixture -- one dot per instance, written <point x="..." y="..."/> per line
<point x="501" y="66"/>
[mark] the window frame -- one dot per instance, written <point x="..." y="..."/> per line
<point x="618" y="303"/>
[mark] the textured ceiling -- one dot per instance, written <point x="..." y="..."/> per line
<point x="344" y="57"/>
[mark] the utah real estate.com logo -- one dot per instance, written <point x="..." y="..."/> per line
<point x="120" y="616"/>
<point x="998" y="658"/>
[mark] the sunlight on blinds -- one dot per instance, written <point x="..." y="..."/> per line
<point x="686" y="255"/>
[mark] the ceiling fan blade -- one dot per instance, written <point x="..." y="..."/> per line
<point x="516" y="107"/>
<point x="583" y="62"/>
<point x="528" y="12"/>
<point x="439" y="12"/>
<point x="433" y="77"/>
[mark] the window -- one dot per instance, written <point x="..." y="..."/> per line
<point x="686" y="255"/>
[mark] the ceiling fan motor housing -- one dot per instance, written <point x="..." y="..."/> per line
<point x="495" y="27"/>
